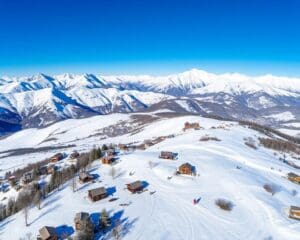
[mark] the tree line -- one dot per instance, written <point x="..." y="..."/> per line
<point x="33" y="194"/>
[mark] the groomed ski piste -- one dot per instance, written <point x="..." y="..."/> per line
<point x="226" y="169"/>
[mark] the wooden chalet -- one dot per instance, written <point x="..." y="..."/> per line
<point x="51" y="168"/>
<point x="168" y="155"/>
<point x="108" y="159"/>
<point x="294" y="177"/>
<point x="47" y="233"/>
<point x="186" y="169"/>
<point x="80" y="219"/>
<point x="43" y="170"/>
<point x="294" y="212"/>
<point x="97" y="194"/>
<point x="57" y="157"/>
<point x="189" y="125"/>
<point x="27" y="177"/>
<point x="123" y="147"/>
<point x="110" y="152"/>
<point x="85" y="177"/>
<point x="135" y="187"/>
<point x="12" y="180"/>
<point x="74" y="155"/>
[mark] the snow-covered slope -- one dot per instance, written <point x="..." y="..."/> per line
<point x="169" y="213"/>
<point x="40" y="100"/>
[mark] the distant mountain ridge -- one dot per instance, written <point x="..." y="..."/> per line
<point x="41" y="100"/>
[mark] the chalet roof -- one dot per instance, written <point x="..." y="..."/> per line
<point x="84" y="175"/>
<point x="291" y="174"/>
<point x="81" y="216"/>
<point x="97" y="191"/>
<point x="46" y="232"/>
<point x="74" y="154"/>
<point x="186" y="165"/>
<point x="168" y="153"/>
<point x="28" y="175"/>
<point x="109" y="157"/>
<point x="295" y="208"/>
<point x="135" y="185"/>
<point x="110" y="152"/>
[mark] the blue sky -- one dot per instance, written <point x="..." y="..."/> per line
<point x="149" y="36"/>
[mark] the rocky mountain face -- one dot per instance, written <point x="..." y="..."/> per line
<point x="41" y="100"/>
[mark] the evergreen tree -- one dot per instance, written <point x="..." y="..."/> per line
<point x="37" y="200"/>
<point x="104" y="221"/>
<point x="88" y="229"/>
<point x="98" y="153"/>
<point x="104" y="147"/>
<point x="10" y="207"/>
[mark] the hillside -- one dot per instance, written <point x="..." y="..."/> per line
<point x="226" y="169"/>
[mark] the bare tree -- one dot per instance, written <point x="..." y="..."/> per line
<point x="37" y="200"/>
<point x="151" y="164"/>
<point x="26" y="215"/>
<point x="112" y="172"/>
<point x="117" y="231"/>
<point x="74" y="184"/>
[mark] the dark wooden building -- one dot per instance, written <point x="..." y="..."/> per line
<point x="43" y="170"/>
<point x="85" y="177"/>
<point x="108" y="159"/>
<point x="110" y="152"/>
<point x="80" y="220"/>
<point x="136" y="186"/>
<point x="97" y="194"/>
<point x="168" y="155"/>
<point x="27" y="177"/>
<point x="12" y="180"/>
<point x="74" y="155"/>
<point x="57" y="157"/>
<point x="189" y="125"/>
<point x="294" y="212"/>
<point x="47" y="233"/>
<point x="186" y="169"/>
<point x="51" y="168"/>
<point x="294" y="177"/>
<point x="123" y="147"/>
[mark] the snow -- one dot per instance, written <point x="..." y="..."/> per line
<point x="283" y="116"/>
<point x="295" y="124"/>
<point x="291" y="132"/>
<point x="170" y="213"/>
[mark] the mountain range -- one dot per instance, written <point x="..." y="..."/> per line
<point x="41" y="100"/>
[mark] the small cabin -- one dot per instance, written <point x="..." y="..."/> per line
<point x="51" y="168"/>
<point x="186" y="169"/>
<point x="108" y="159"/>
<point x="47" y="233"/>
<point x="135" y="187"/>
<point x="294" y="177"/>
<point x="294" y="212"/>
<point x="188" y="125"/>
<point x="27" y="177"/>
<point x="110" y="152"/>
<point x="97" y="194"/>
<point x="12" y="180"/>
<point x="80" y="219"/>
<point x="43" y="170"/>
<point x="168" y="155"/>
<point x="57" y="157"/>
<point x="74" y="155"/>
<point x="85" y="177"/>
<point x="123" y="147"/>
